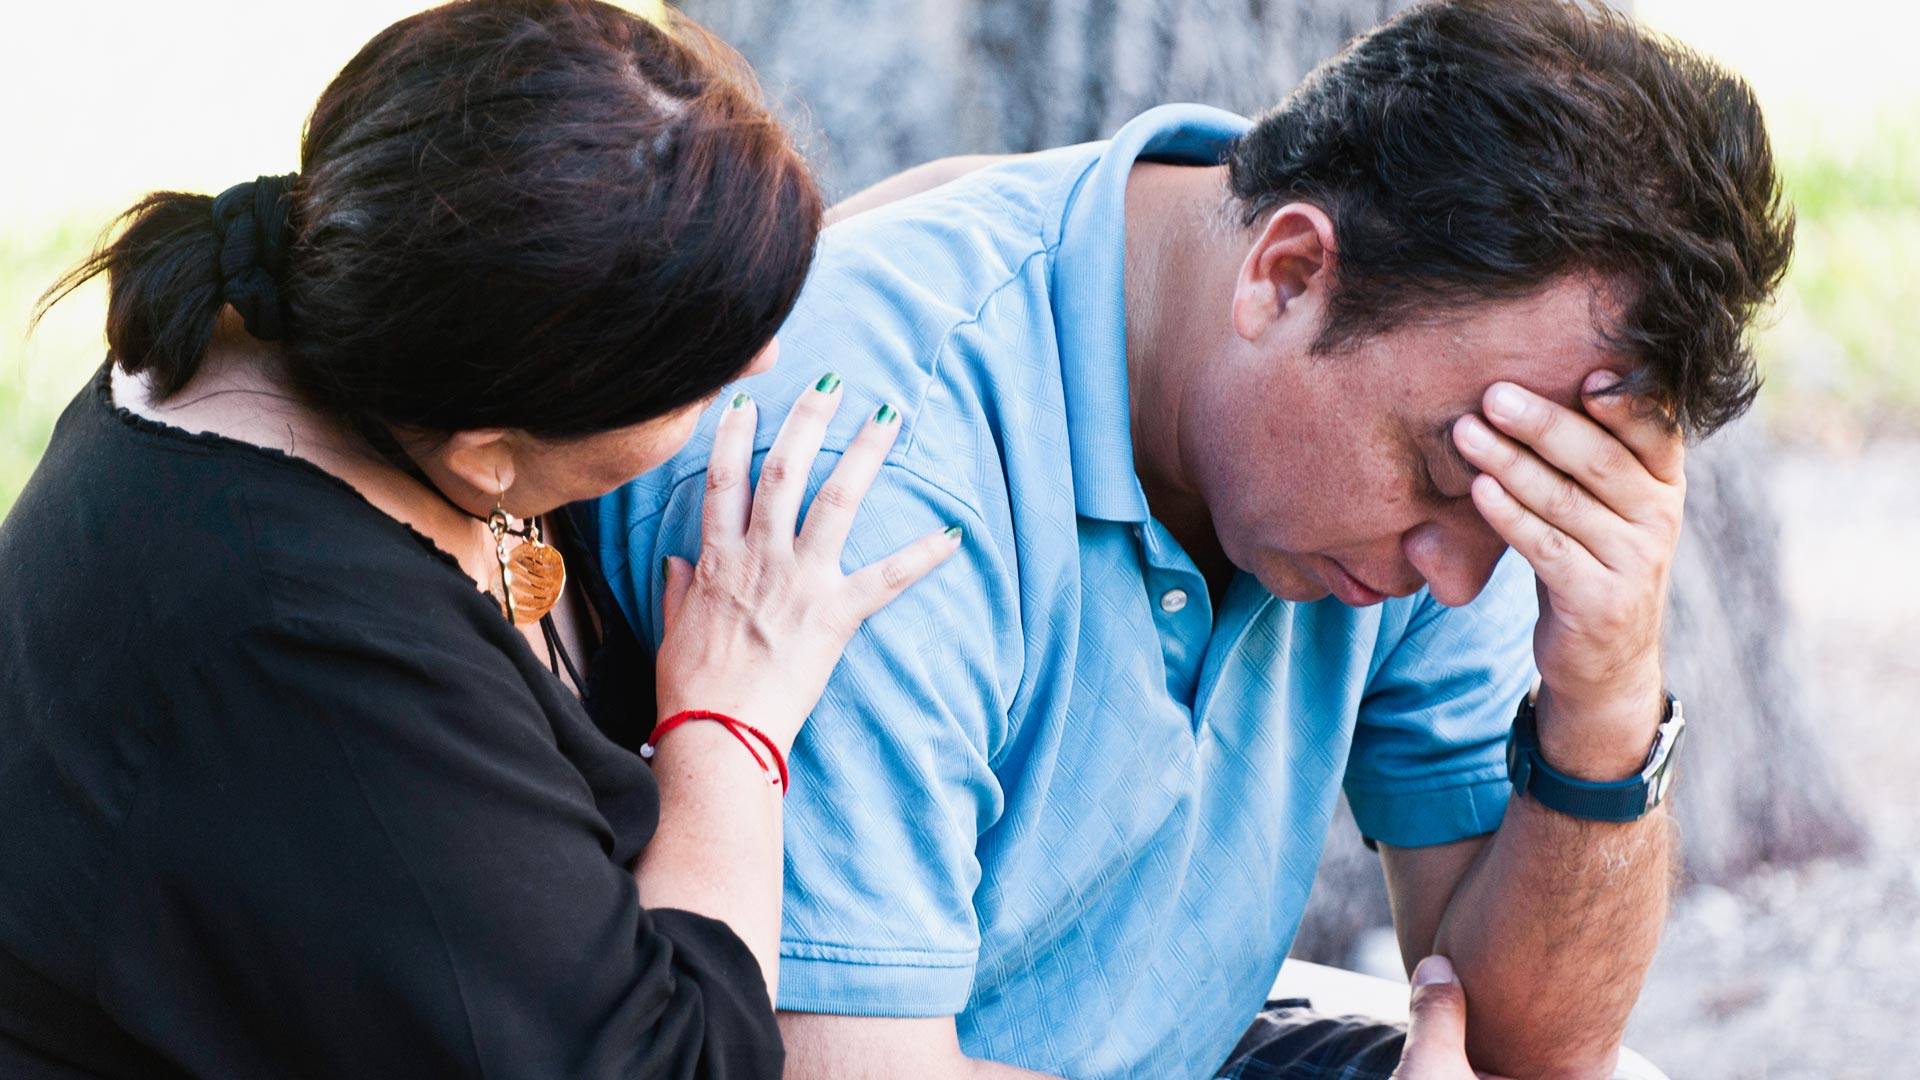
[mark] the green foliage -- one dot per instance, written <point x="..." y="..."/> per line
<point x="1842" y="354"/>
<point x="39" y="374"/>
<point x="1877" y="173"/>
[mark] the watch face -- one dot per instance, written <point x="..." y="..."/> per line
<point x="1663" y="778"/>
<point x="1661" y="783"/>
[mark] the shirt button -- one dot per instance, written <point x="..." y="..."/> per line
<point x="1173" y="600"/>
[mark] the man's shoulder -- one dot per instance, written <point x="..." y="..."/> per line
<point x="1015" y="205"/>
<point x="890" y="293"/>
<point x="922" y="266"/>
<point x="920" y="471"/>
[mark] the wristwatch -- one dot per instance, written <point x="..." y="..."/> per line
<point x="1618" y="800"/>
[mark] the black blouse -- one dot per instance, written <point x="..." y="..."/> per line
<point x="282" y="794"/>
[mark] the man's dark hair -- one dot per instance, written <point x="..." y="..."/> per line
<point x="549" y="215"/>
<point x="1471" y="150"/>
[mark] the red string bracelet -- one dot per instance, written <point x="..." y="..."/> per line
<point x="739" y="729"/>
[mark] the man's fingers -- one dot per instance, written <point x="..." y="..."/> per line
<point x="783" y="473"/>
<point x="1637" y="424"/>
<point x="830" y="515"/>
<point x="1557" y="559"/>
<point x="1436" y="1047"/>
<point x="1545" y="490"/>
<point x="723" y="516"/>
<point x="1437" y="1023"/>
<point x="875" y="586"/>
<point x="1574" y="444"/>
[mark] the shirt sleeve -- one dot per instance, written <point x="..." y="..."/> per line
<point x="1429" y="749"/>
<point x="368" y="857"/>
<point x="892" y="776"/>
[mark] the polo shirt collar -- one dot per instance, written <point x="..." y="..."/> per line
<point x="1089" y="299"/>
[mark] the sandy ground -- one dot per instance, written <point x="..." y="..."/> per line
<point x="1814" y="972"/>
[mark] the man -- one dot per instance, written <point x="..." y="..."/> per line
<point x="1239" y="421"/>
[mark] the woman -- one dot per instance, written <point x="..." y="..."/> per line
<point x="309" y="762"/>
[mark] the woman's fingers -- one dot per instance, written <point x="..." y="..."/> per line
<point x="783" y="475"/>
<point x="758" y="628"/>
<point x="875" y="586"/>
<point x="1436" y="1046"/>
<point x="830" y="515"/>
<point x="723" y="517"/>
<point x="678" y="579"/>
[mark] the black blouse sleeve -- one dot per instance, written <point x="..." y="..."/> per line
<point x="367" y="857"/>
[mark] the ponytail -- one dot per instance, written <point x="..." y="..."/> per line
<point x="177" y="262"/>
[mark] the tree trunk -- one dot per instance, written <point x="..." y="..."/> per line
<point x="877" y="85"/>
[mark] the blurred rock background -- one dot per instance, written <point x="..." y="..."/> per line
<point x="1795" y="951"/>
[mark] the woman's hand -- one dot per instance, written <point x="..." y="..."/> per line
<point x="754" y="629"/>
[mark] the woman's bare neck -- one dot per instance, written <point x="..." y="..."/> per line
<point x="237" y="392"/>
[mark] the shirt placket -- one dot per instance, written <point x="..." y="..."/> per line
<point x="1181" y="609"/>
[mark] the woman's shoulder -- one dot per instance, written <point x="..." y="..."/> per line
<point x="165" y="536"/>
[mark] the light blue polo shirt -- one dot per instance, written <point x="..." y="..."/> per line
<point x="1053" y="791"/>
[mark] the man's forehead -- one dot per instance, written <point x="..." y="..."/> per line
<point x="1547" y="343"/>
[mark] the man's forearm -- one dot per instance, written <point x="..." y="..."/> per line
<point x="825" y="1047"/>
<point x="1554" y="924"/>
<point x="1551" y="930"/>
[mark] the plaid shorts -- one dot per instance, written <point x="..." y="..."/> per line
<point x="1290" y="1041"/>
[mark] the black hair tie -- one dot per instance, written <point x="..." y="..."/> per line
<point x="254" y="221"/>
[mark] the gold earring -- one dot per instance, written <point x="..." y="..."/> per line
<point x="532" y="575"/>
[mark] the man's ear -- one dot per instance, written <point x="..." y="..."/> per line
<point x="1288" y="271"/>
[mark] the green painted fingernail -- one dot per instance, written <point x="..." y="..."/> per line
<point x="887" y="415"/>
<point x="828" y="383"/>
<point x="739" y="401"/>
<point x="955" y="532"/>
<point x="666" y="566"/>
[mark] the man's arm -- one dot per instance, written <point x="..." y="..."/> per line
<point x="1552" y="921"/>
<point x="910" y="182"/>
<point x="1551" y="924"/>
<point x="882" y="1048"/>
<point x="891" y="780"/>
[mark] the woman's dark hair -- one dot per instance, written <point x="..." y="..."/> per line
<point x="549" y="215"/>
<point x="1470" y="150"/>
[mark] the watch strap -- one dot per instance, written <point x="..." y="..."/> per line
<point x="1617" y="800"/>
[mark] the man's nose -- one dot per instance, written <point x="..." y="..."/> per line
<point x="1455" y="552"/>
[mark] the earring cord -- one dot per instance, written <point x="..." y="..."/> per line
<point x="557" y="648"/>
